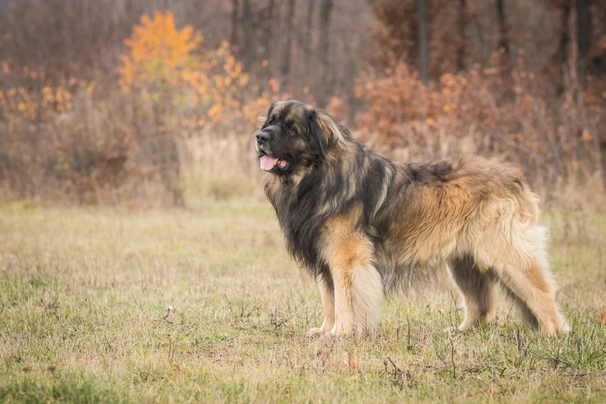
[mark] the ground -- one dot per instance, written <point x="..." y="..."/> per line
<point x="205" y="305"/>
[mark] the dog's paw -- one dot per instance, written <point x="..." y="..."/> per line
<point x="452" y="330"/>
<point x="329" y="335"/>
<point x="564" y="328"/>
<point x="314" y="332"/>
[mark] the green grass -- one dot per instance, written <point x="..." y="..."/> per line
<point x="205" y="305"/>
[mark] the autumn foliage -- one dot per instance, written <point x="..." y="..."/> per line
<point x="206" y="88"/>
<point x="141" y="107"/>
<point x="159" y="53"/>
<point x="105" y="149"/>
<point x="506" y="103"/>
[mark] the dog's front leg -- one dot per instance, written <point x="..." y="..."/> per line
<point x="344" y="313"/>
<point x="358" y="299"/>
<point x="357" y="285"/>
<point x="328" y="308"/>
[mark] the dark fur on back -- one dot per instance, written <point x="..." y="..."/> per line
<point x="400" y="220"/>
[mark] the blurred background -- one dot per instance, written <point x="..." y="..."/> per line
<point x="141" y="103"/>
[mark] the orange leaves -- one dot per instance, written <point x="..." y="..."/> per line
<point x="177" y="369"/>
<point x="352" y="363"/>
<point x="602" y="319"/>
<point x="21" y="103"/>
<point x="159" y="52"/>
<point x="159" y="40"/>
<point x="404" y="113"/>
<point x="199" y="89"/>
<point x="586" y="136"/>
<point x="274" y="84"/>
<point x="334" y="358"/>
<point x="5" y="67"/>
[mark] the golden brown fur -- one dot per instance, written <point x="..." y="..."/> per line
<point x="364" y="225"/>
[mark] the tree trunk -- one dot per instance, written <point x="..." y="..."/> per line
<point x="326" y="77"/>
<point x="423" y="42"/>
<point x="503" y="42"/>
<point x="266" y="42"/>
<point x="563" y="45"/>
<point x="247" y="51"/>
<point x="233" y="36"/>
<point x="462" y="36"/>
<point x="583" y="40"/>
<point x="306" y="69"/>
<point x="286" y="54"/>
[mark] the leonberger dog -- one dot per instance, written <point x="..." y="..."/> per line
<point x="364" y="225"/>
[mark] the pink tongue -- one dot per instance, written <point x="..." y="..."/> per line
<point x="267" y="163"/>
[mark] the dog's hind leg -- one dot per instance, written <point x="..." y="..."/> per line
<point x="534" y="294"/>
<point x="328" y="306"/>
<point x="525" y="312"/>
<point x="523" y="269"/>
<point x="476" y="288"/>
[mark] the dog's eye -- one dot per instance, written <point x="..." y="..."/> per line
<point x="290" y="129"/>
<point x="271" y="120"/>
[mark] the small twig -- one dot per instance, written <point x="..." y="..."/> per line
<point x="454" y="365"/>
<point x="519" y="340"/>
<point x="330" y="350"/>
<point x="556" y="361"/>
<point x="440" y="356"/>
<point x="396" y="369"/>
<point x="408" y="336"/>
<point x="557" y="358"/>
<point x="172" y="348"/>
<point x="397" y="377"/>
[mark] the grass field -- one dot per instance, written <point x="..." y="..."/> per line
<point x="204" y="305"/>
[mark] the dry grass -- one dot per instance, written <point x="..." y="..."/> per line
<point x="220" y="168"/>
<point x="205" y="305"/>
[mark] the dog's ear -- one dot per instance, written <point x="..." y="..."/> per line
<point x="323" y="132"/>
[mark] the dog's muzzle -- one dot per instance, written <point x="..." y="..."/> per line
<point x="262" y="143"/>
<point x="267" y="161"/>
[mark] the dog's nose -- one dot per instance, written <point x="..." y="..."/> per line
<point x="262" y="137"/>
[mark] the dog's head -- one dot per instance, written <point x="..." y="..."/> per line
<point x="295" y="137"/>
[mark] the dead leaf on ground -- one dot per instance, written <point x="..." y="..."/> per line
<point x="177" y="369"/>
<point x="352" y="363"/>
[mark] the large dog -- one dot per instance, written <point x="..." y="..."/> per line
<point x="364" y="225"/>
